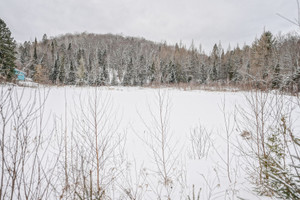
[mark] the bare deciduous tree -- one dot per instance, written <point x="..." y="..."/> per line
<point x="95" y="149"/>
<point x="164" y="151"/>
<point x="27" y="167"/>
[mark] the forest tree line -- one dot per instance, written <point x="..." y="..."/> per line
<point x="94" y="59"/>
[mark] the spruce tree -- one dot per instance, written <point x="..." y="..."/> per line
<point x="103" y="68"/>
<point x="45" y="39"/>
<point x="55" y="71"/>
<point x="151" y="73"/>
<point x="127" y="80"/>
<point x="215" y="63"/>
<point x="52" y="50"/>
<point x="7" y="52"/>
<point x="172" y="73"/>
<point x="142" y="71"/>
<point x="34" y="51"/>
<point x="230" y="71"/>
<point x="214" y="73"/>
<point x="24" y="51"/>
<point x="72" y="76"/>
<point x="192" y="65"/>
<point x="296" y="79"/>
<point x="98" y="79"/>
<point x="223" y="68"/>
<point x="34" y="60"/>
<point x="62" y="72"/>
<point x="276" y="81"/>
<point x="203" y="74"/>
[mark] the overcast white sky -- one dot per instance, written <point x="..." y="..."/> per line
<point x="204" y="21"/>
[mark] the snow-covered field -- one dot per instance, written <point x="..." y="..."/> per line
<point x="221" y="171"/>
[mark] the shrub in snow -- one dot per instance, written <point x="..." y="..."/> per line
<point x="282" y="175"/>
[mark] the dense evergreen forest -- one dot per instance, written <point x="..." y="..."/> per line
<point x="94" y="59"/>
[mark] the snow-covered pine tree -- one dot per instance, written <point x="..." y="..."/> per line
<point x="55" y="71"/>
<point x="296" y="79"/>
<point x="282" y="176"/>
<point x="127" y="80"/>
<point x="142" y="71"/>
<point x="34" y="60"/>
<point x="24" y="53"/>
<point x="72" y="75"/>
<point x="104" y="71"/>
<point x="276" y="80"/>
<point x="151" y="73"/>
<point x="62" y="71"/>
<point x="35" y="57"/>
<point x="172" y="73"/>
<point x="203" y="74"/>
<point x="7" y="52"/>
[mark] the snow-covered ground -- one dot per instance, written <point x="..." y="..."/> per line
<point x="220" y="174"/>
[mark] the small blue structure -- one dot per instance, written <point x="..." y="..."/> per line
<point x="20" y="75"/>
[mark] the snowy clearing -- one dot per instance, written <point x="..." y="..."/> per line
<point x="220" y="170"/>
